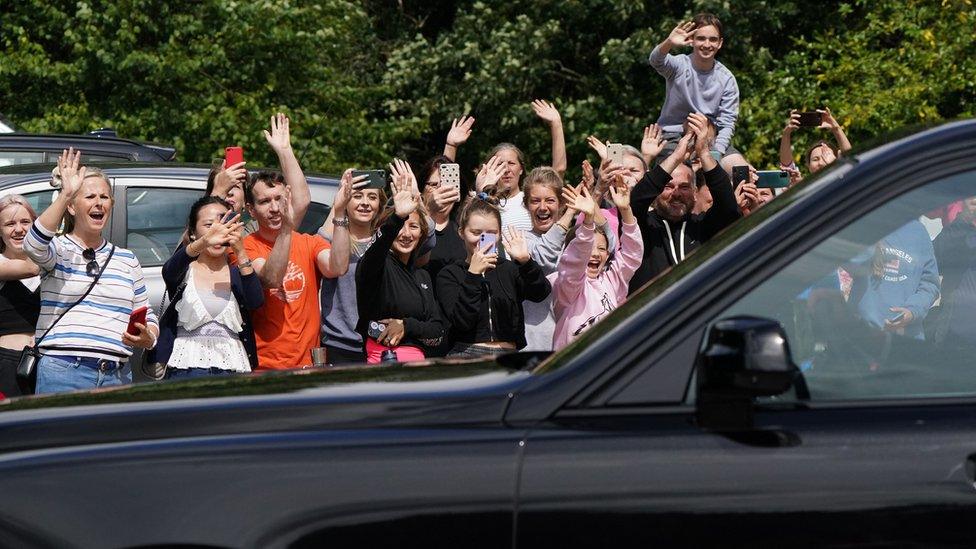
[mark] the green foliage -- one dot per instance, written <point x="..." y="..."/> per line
<point x="366" y="80"/>
<point x="202" y="75"/>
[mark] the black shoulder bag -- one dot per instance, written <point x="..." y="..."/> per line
<point x="30" y="355"/>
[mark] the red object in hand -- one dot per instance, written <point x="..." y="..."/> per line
<point x="233" y="155"/>
<point x="137" y="316"/>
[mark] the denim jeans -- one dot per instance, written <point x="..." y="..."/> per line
<point x="57" y="373"/>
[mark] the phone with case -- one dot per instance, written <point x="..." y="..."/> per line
<point x="450" y="175"/>
<point x="376" y="178"/>
<point x="615" y="154"/>
<point x="489" y="238"/>
<point x="773" y="179"/>
<point x="811" y="119"/>
<point x="233" y="155"/>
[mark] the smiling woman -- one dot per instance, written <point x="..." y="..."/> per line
<point x="19" y="304"/>
<point x="89" y="288"/>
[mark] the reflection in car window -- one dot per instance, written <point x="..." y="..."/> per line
<point x="12" y="158"/>
<point x="40" y="200"/>
<point x="886" y="307"/>
<point x="155" y="220"/>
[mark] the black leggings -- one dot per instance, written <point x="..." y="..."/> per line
<point x="337" y="356"/>
<point x="9" y="359"/>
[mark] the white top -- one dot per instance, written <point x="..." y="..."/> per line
<point x="514" y="213"/>
<point x="204" y="339"/>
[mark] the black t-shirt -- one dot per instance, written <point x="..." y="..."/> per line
<point x="448" y="249"/>
<point x="19" y="308"/>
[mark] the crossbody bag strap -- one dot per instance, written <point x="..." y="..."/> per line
<point x="82" y="298"/>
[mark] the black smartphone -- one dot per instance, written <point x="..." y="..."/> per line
<point x="773" y="179"/>
<point x="375" y="329"/>
<point x="897" y="318"/>
<point x="377" y="178"/>
<point x="811" y="119"/>
<point x="740" y="174"/>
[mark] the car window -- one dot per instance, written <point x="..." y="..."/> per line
<point x="886" y="307"/>
<point x="40" y="200"/>
<point x="12" y="158"/>
<point x="314" y="217"/>
<point x="88" y="159"/>
<point x="155" y="220"/>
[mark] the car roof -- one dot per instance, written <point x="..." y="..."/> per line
<point x="25" y="173"/>
<point x="88" y="143"/>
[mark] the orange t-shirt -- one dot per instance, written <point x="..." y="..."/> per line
<point x="288" y="326"/>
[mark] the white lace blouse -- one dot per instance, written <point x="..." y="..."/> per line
<point x="205" y="339"/>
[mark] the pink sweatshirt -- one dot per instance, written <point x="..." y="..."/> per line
<point x="579" y="301"/>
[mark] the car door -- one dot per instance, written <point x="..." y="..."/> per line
<point x="877" y="447"/>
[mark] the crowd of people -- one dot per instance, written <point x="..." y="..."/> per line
<point x="521" y="260"/>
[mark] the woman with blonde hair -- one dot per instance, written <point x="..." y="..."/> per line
<point x="89" y="288"/>
<point x="19" y="301"/>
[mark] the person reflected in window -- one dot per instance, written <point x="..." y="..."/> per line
<point x="955" y="252"/>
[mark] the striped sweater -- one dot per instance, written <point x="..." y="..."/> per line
<point x="94" y="327"/>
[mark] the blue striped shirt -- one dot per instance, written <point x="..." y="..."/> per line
<point x="94" y="327"/>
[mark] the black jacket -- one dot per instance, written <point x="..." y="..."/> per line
<point x="489" y="308"/>
<point x="386" y="288"/>
<point x="696" y="229"/>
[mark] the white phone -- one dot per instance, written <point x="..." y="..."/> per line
<point x="451" y="175"/>
<point x="615" y="154"/>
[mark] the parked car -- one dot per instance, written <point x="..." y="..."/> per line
<point x="743" y="397"/>
<point x="152" y="201"/>
<point x="98" y="146"/>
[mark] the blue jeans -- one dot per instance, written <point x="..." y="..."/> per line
<point x="57" y="373"/>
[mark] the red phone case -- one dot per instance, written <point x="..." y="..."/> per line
<point x="233" y="155"/>
<point x="138" y="315"/>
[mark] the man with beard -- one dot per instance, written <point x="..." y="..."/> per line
<point x="671" y="230"/>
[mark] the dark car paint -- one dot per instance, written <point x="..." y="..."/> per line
<point x="562" y="455"/>
<point x="138" y="151"/>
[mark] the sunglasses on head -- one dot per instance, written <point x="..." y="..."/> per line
<point x="92" y="267"/>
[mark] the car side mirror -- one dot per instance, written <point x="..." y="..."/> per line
<point x="744" y="357"/>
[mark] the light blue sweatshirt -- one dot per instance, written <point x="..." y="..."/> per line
<point x="714" y="94"/>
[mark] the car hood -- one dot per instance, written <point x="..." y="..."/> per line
<point x="430" y="395"/>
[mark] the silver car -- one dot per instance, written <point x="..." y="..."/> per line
<point x="152" y="202"/>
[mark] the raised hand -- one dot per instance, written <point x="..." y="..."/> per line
<point x="683" y="34"/>
<point x="71" y="171"/>
<point x="460" y="131"/>
<point x="793" y="123"/>
<point x="405" y="197"/>
<point x="828" y="123"/>
<point x="588" y="177"/>
<point x="481" y="260"/>
<point x="581" y="201"/>
<point x="442" y="198"/>
<point x="698" y="124"/>
<point x="599" y="146"/>
<point x="652" y="144"/>
<point x="515" y="244"/>
<point x="346" y="184"/>
<point x="235" y="238"/>
<point x="287" y="214"/>
<point x="226" y="178"/>
<point x="747" y="197"/>
<point x="569" y="196"/>
<point x="546" y="111"/>
<point x="620" y="194"/>
<point x="280" y="136"/>
<point x="489" y="174"/>
<point x="219" y="232"/>
<point x="400" y="168"/>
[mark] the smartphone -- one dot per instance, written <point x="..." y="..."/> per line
<point x="137" y="316"/>
<point x="375" y="329"/>
<point x="451" y="175"/>
<point x="487" y="238"/>
<point x="227" y="216"/>
<point x="739" y="174"/>
<point x="773" y="179"/>
<point x="377" y="178"/>
<point x="810" y="119"/>
<point x="615" y="153"/>
<point x="233" y="155"/>
<point x="897" y="318"/>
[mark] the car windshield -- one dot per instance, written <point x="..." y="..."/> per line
<point x="725" y="240"/>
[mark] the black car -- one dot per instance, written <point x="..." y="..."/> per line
<point x="98" y="146"/>
<point x="805" y="378"/>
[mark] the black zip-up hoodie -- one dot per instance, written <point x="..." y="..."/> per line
<point x="664" y="240"/>
<point x="386" y="288"/>
<point x="482" y="308"/>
